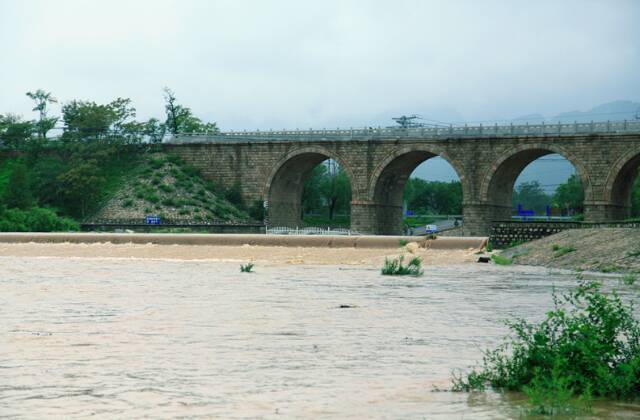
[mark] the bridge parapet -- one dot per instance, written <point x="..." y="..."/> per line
<point x="371" y="133"/>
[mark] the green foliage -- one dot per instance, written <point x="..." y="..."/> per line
<point x="324" y="221"/>
<point x="34" y="220"/>
<point x="152" y="198"/>
<point x="588" y="345"/>
<point x="562" y="250"/>
<point x="569" y="196"/>
<point x="15" y="133"/>
<point x="246" y="268"/>
<point x="629" y="279"/>
<point x="489" y="246"/>
<point x="180" y="119"/>
<point x="17" y="193"/>
<point x="500" y="260"/>
<point x="433" y="197"/>
<point x="395" y="267"/>
<point x="327" y="192"/>
<point x="42" y="100"/>
<point x="166" y="188"/>
<point x="531" y="196"/>
<point x="127" y="203"/>
<point x="402" y="242"/>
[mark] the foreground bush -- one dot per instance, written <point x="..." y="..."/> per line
<point x="34" y="220"/>
<point x="395" y="267"/>
<point x="588" y="345"/>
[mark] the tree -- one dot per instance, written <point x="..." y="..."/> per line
<point x="531" y="196"/>
<point x="327" y="191"/>
<point x="180" y="119"/>
<point x="433" y="197"/>
<point x="569" y="196"/>
<point x="15" y="133"/>
<point x="18" y="191"/>
<point x="85" y="120"/>
<point x="42" y="99"/>
<point x="81" y="186"/>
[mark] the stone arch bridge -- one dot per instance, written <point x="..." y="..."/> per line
<point x="273" y="165"/>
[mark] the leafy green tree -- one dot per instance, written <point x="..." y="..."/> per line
<point x="327" y="191"/>
<point x="42" y="100"/>
<point x="81" y="186"/>
<point x="18" y="194"/>
<point x="14" y="132"/>
<point x="531" y="196"/>
<point x="180" y="119"/>
<point x="433" y="197"/>
<point x="569" y="196"/>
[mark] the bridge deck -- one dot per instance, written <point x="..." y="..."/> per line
<point x="371" y="133"/>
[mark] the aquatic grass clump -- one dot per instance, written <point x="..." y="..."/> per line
<point x="394" y="267"/>
<point x="246" y="268"/>
<point x="587" y="346"/>
<point x="500" y="260"/>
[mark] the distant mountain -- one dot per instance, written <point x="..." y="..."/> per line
<point x="612" y="111"/>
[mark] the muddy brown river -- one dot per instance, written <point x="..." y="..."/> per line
<point x="127" y="338"/>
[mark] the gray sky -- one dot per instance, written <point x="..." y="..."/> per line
<point x="275" y="64"/>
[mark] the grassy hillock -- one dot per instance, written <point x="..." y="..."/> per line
<point x="603" y="249"/>
<point x="163" y="185"/>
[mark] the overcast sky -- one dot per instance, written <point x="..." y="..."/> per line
<point x="275" y="64"/>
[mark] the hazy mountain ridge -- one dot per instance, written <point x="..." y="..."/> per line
<point x="613" y="111"/>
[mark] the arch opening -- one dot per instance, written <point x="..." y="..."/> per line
<point x="310" y="189"/>
<point x="625" y="191"/>
<point x="536" y="184"/>
<point x="416" y="189"/>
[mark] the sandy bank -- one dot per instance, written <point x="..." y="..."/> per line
<point x="601" y="249"/>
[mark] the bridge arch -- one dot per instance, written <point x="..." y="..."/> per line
<point x="386" y="184"/>
<point x="497" y="185"/>
<point x="619" y="185"/>
<point x="285" y="183"/>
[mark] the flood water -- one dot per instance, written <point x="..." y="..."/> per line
<point x="158" y="338"/>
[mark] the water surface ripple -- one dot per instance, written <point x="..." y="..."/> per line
<point x="160" y="338"/>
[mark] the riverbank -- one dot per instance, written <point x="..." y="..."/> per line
<point x="600" y="249"/>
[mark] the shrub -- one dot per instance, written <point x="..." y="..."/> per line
<point x="588" y="345"/>
<point x="166" y="188"/>
<point x="127" y="203"/>
<point x="34" y="220"/>
<point x="152" y="197"/>
<point x="489" y="246"/>
<point x="500" y="260"/>
<point x="394" y="267"/>
<point x="629" y="279"/>
<point x="184" y="211"/>
<point x="156" y="163"/>
<point x="246" y="268"/>
<point x="169" y="202"/>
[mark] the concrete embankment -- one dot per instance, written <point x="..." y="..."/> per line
<point x="444" y="243"/>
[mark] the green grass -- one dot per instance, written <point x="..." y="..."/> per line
<point x="629" y="279"/>
<point x="500" y="260"/>
<point x="561" y="250"/>
<point x="395" y="267"/>
<point x="246" y="268"/>
<point x="587" y="346"/>
<point x="127" y="203"/>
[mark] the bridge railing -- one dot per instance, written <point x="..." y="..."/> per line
<point x="369" y="133"/>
